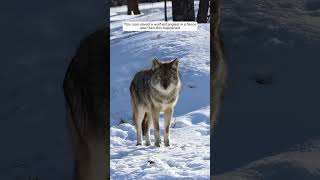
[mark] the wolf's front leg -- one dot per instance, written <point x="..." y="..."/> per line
<point x="167" y="121"/>
<point x="155" y="118"/>
<point x="139" y="118"/>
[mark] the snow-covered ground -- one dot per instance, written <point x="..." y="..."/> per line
<point x="278" y="42"/>
<point x="301" y="162"/>
<point x="188" y="157"/>
<point x="38" y="42"/>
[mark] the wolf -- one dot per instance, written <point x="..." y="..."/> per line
<point x="85" y="88"/>
<point x="218" y="64"/>
<point x="153" y="91"/>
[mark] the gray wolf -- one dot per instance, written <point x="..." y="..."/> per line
<point x="153" y="91"/>
<point x="85" y="89"/>
<point x="219" y="66"/>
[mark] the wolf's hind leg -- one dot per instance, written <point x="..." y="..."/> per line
<point x="167" y="122"/>
<point x="148" y="124"/>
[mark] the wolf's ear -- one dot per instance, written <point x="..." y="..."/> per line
<point x="175" y="64"/>
<point x="155" y="64"/>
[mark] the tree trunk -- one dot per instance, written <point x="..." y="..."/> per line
<point x="165" y="10"/>
<point x="202" y="16"/>
<point x="133" y="6"/>
<point x="218" y="64"/>
<point x="183" y="10"/>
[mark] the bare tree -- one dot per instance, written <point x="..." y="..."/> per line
<point x="219" y="65"/>
<point x="183" y="10"/>
<point x="133" y="6"/>
<point x="202" y="16"/>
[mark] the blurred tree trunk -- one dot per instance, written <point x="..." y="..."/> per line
<point x="218" y="63"/>
<point x="202" y="16"/>
<point x="133" y="6"/>
<point x="165" y="10"/>
<point x="183" y="10"/>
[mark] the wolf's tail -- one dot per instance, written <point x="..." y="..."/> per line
<point x="145" y="124"/>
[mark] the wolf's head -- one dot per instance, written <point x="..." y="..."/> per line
<point x="165" y="76"/>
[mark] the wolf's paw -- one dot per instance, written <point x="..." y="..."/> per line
<point x="139" y="144"/>
<point x="158" y="144"/>
<point x="166" y="142"/>
<point x="148" y="143"/>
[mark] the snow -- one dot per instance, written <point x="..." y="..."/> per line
<point x="258" y="124"/>
<point x="271" y="102"/>
<point x="188" y="157"/>
<point x="299" y="162"/>
<point x="39" y="40"/>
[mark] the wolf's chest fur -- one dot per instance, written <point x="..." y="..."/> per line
<point x="163" y="101"/>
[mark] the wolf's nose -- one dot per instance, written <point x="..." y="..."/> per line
<point x="165" y="85"/>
